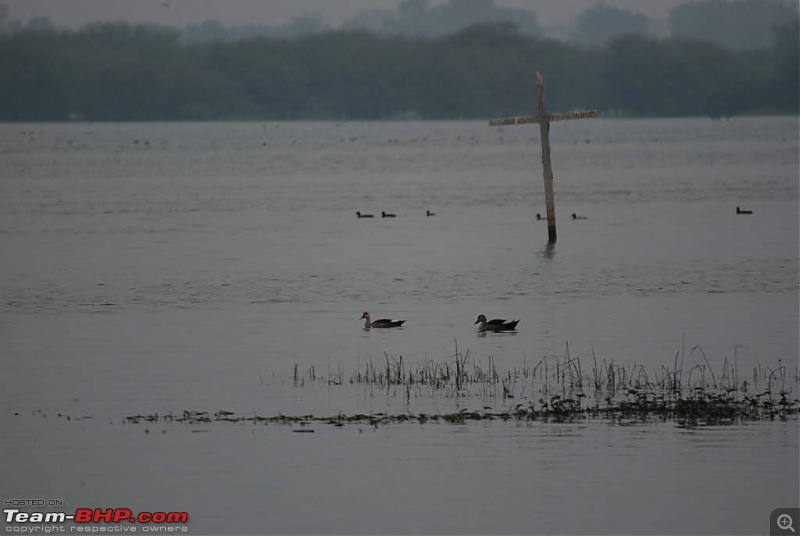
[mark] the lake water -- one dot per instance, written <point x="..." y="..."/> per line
<point x="164" y="267"/>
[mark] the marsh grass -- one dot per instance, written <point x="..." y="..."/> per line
<point x="563" y="388"/>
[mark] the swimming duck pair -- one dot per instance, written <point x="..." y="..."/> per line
<point x="573" y="216"/>
<point x="384" y="214"/>
<point x="496" y="324"/>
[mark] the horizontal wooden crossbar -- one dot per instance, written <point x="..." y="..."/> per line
<point x="527" y="119"/>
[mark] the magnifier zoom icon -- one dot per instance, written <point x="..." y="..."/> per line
<point x="784" y="522"/>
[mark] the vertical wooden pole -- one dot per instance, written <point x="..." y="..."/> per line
<point x="544" y="129"/>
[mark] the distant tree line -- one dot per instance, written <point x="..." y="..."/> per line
<point x="739" y="24"/>
<point x="120" y="72"/>
<point x="419" y="18"/>
<point x="729" y="23"/>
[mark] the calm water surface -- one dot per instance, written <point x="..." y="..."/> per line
<point x="163" y="267"/>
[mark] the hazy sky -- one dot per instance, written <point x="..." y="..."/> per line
<point x="274" y="12"/>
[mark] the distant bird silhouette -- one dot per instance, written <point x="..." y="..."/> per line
<point x="387" y="215"/>
<point x="740" y="211"/>
<point x="538" y="216"/>
<point x="429" y="213"/>
<point x="359" y="215"/>
<point x="576" y="217"/>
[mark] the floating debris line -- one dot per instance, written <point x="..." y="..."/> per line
<point x="700" y="409"/>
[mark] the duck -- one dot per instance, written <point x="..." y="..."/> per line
<point x="380" y="323"/>
<point x="741" y="211"/>
<point x="360" y="215"/>
<point x="576" y="217"/>
<point x="496" y="324"/>
<point x="429" y="213"/>
<point x="387" y="215"/>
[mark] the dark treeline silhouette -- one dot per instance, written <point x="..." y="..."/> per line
<point x="123" y="72"/>
<point x="739" y="24"/>
<point x="729" y="23"/>
<point x="421" y="18"/>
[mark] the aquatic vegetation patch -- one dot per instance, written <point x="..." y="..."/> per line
<point x="551" y="390"/>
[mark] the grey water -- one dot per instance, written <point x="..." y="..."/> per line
<point x="162" y="267"/>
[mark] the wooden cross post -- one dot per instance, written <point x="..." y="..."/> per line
<point x="544" y="119"/>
